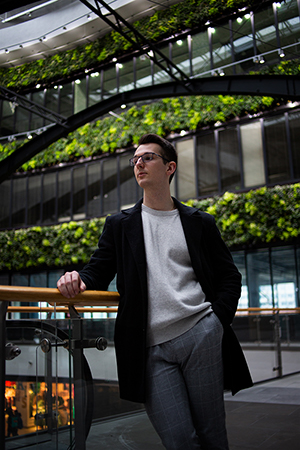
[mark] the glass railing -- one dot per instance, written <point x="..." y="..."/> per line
<point x="56" y="383"/>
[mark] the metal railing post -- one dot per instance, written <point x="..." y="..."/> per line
<point x="3" y="309"/>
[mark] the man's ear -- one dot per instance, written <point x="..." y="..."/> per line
<point x="171" y="167"/>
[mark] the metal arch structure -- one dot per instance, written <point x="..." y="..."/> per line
<point x="282" y="86"/>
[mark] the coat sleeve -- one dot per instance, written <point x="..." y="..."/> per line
<point x="224" y="276"/>
<point x="101" y="268"/>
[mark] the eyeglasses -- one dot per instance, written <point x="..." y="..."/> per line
<point x="146" y="157"/>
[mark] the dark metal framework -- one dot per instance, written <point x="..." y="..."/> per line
<point x="283" y="86"/>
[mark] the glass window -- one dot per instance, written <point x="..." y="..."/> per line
<point x="4" y="279"/>
<point x="80" y="100"/>
<point x="64" y="195"/>
<point x="79" y="182"/>
<point x="22" y="119"/>
<point x="222" y="48"/>
<point x="51" y="101"/>
<point x="160" y="76"/>
<point x="110" y="186"/>
<point x="19" y="202"/>
<point x="109" y="82"/>
<point x="94" y="95"/>
<point x="289" y="27"/>
<point x="186" y="179"/>
<point x="207" y="165"/>
<point x="252" y="149"/>
<point x="294" y="125"/>
<point x="128" y="187"/>
<point x="5" y="203"/>
<point x="37" y="121"/>
<point x="277" y="150"/>
<point x="126" y="81"/>
<point x="239" y="261"/>
<point x="143" y="71"/>
<point x="265" y="35"/>
<point x="243" y="45"/>
<point x="8" y="118"/>
<point x="259" y="279"/>
<point x="94" y="190"/>
<point x="180" y="55"/>
<point x="229" y="159"/>
<point x="49" y="198"/>
<point x="66" y="100"/>
<point x="34" y="200"/>
<point x="200" y="53"/>
<point x="284" y="277"/>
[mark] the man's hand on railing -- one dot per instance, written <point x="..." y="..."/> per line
<point x="70" y="284"/>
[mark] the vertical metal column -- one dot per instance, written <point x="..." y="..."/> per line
<point x="3" y="309"/>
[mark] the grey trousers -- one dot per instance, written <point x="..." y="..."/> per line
<point x="184" y="399"/>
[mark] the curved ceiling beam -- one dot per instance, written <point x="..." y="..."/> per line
<point x="283" y="86"/>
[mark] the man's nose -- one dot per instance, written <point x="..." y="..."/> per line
<point x="139" y="161"/>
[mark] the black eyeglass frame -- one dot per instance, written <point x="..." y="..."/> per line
<point x="136" y="158"/>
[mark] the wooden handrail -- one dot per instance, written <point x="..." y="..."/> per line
<point x="54" y="297"/>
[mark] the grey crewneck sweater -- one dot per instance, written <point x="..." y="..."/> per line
<point x="176" y="301"/>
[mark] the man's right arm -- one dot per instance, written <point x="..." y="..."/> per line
<point x="70" y="284"/>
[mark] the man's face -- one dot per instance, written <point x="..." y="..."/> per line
<point x="150" y="173"/>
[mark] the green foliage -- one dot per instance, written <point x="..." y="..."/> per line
<point x="53" y="246"/>
<point x="162" y="117"/>
<point x="184" y="15"/>
<point x="258" y="217"/>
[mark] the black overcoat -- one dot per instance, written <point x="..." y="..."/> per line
<point x="121" y="251"/>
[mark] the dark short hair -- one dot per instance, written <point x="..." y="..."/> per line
<point x="167" y="149"/>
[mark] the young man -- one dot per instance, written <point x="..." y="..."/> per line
<point x="179" y="291"/>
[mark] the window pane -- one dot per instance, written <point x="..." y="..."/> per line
<point x="252" y="149"/>
<point x="64" y="195"/>
<point x="284" y="277"/>
<point x="34" y="200"/>
<point x="186" y="180"/>
<point x="294" y="124"/>
<point x="229" y="159"/>
<point x="265" y="34"/>
<point x="94" y="190"/>
<point x="259" y="279"/>
<point x="110" y="191"/>
<point x="126" y="76"/>
<point x="143" y="71"/>
<point x="94" y="88"/>
<point x="109" y="82"/>
<point x="180" y="55"/>
<point x="79" y="193"/>
<point x="207" y="165"/>
<point x="200" y="52"/>
<point x="66" y="100"/>
<point x="239" y="261"/>
<point x="276" y="148"/>
<point x="19" y="202"/>
<point x="49" y="198"/>
<point x="37" y="121"/>
<point x="51" y="101"/>
<point x="289" y="27"/>
<point x="160" y="76"/>
<point x="8" y="118"/>
<point x="79" y="95"/>
<point x="222" y="48"/>
<point x="22" y="119"/>
<point x="5" y="203"/>
<point x="128" y="188"/>
<point x="243" y="44"/>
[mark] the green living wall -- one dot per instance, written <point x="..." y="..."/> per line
<point x="259" y="217"/>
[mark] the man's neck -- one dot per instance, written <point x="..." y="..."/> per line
<point x="159" y="201"/>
